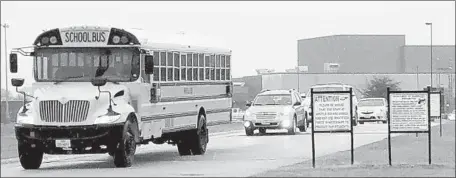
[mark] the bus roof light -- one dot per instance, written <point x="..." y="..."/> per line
<point x="124" y="40"/>
<point x="116" y="39"/>
<point x="53" y="40"/>
<point x="45" y="40"/>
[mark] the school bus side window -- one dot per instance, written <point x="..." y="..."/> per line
<point x="228" y="67"/>
<point x="195" y="67"/>
<point x="189" y="67"/>
<point x="201" y="67"/>
<point x="169" y="66"/>
<point x="176" y="66"/>
<point x="162" y="66"/>
<point x="223" y="68"/>
<point x="183" y="67"/>
<point x="145" y="77"/>
<point x="208" y="70"/>
<point x="156" y="66"/>
<point x="212" y="61"/>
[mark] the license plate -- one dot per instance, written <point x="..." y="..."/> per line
<point x="63" y="143"/>
<point x="265" y="123"/>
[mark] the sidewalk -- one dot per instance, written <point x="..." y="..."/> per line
<point x="409" y="159"/>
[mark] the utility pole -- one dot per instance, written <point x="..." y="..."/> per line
<point x="6" y="77"/>
<point x="417" y="79"/>
<point x="430" y="24"/>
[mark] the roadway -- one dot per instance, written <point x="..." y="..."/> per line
<point x="229" y="154"/>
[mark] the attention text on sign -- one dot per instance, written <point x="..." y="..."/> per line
<point x="331" y="112"/>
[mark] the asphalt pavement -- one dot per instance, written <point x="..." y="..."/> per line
<point x="229" y="154"/>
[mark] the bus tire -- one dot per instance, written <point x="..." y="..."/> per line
<point x="183" y="148"/>
<point x="30" y="158"/>
<point x="124" y="154"/>
<point x="200" y="137"/>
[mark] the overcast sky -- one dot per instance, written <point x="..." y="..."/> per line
<point x="260" y="34"/>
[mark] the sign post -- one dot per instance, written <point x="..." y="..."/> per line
<point x="436" y="109"/>
<point x="409" y="112"/>
<point x="332" y="112"/>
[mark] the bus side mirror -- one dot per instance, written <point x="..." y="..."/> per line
<point x="17" y="82"/>
<point x="98" y="82"/>
<point x="149" y="64"/>
<point x="13" y="63"/>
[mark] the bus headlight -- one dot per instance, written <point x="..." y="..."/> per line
<point x="24" y="119"/>
<point x="106" y="119"/>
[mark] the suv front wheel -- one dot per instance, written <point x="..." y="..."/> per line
<point x="292" y="129"/>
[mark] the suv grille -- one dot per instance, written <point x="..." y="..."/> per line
<point x="72" y="111"/>
<point x="266" y="115"/>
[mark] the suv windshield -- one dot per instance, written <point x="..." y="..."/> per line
<point x="328" y="89"/>
<point x="371" y="102"/>
<point x="83" y="64"/>
<point x="272" y="100"/>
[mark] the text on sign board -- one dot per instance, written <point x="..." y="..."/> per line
<point x="408" y="112"/>
<point x="331" y="112"/>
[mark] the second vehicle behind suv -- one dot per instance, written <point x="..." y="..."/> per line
<point x="275" y="109"/>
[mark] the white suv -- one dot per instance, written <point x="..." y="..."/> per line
<point x="331" y="87"/>
<point x="275" y="109"/>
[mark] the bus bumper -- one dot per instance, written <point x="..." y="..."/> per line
<point x="70" y="140"/>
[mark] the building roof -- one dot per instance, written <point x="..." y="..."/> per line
<point x="351" y="35"/>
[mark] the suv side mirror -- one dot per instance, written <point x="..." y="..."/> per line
<point x="149" y="64"/>
<point x="13" y="63"/>
<point x="17" y="82"/>
<point x="297" y="104"/>
<point x="248" y="104"/>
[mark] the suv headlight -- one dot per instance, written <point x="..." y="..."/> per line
<point x="286" y="112"/>
<point x="249" y="114"/>
<point x="283" y="114"/>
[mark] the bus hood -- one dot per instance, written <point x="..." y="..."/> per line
<point x="53" y="95"/>
<point x="74" y="91"/>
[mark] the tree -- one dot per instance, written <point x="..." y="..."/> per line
<point x="376" y="88"/>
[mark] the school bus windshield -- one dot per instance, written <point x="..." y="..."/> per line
<point x="83" y="64"/>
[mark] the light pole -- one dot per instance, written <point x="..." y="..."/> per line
<point x="430" y="24"/>
<point x="6" y="76"/>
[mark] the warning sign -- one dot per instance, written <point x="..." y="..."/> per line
<point x="409" y="111"/>
<point x="331" y="111"/>
<point x="435" y="104"/>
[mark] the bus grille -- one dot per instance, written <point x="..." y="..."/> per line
<point x="266" y="115"/>
<point x="72" y="111"/>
